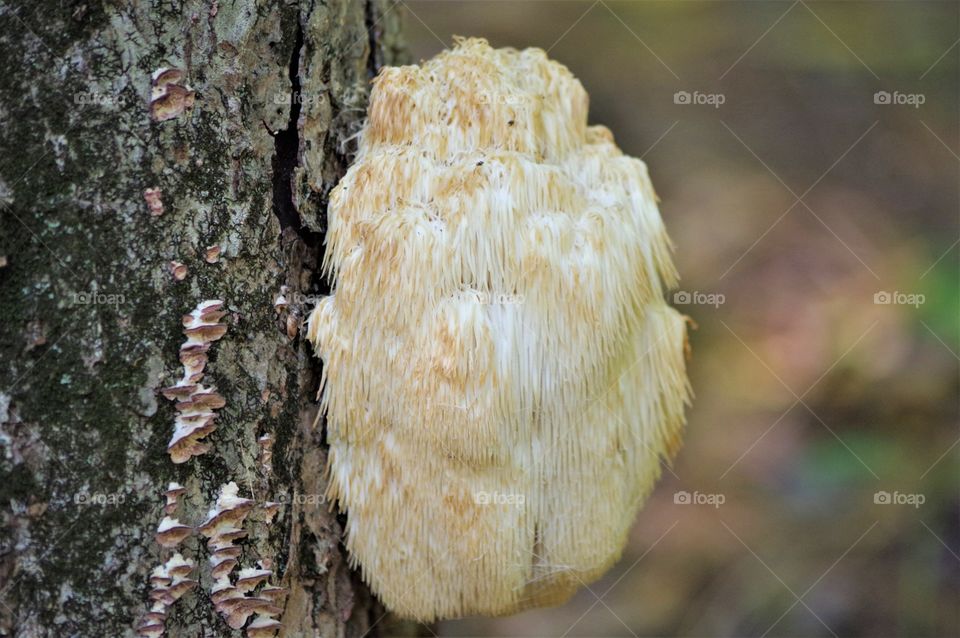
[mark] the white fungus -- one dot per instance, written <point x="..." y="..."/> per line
<point x="502" y="374"/>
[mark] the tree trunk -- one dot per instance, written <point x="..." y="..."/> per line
<point x="123" y="208"/>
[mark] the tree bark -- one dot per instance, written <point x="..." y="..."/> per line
<point x="94" y="280"/>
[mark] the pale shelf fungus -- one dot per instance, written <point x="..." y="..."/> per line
<point x="196" y="404"/>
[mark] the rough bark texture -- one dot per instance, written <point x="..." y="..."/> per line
<point x="91" y="313"/>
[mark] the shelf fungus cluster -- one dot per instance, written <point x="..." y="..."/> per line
<point x="502" y="373"/>
<point x="196" y="404"/>
<point x="171" y="579"/>
<point x="248" y="594"/>
<point x="168" y="582"/>
<point x="236" y="600"/>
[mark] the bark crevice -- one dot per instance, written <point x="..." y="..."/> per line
<point x="373" y="63"/>
<point x="286" y="158"/>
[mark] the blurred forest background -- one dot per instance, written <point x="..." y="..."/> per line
<point x="802" y="202"/>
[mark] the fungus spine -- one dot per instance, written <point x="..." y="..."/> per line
<point x="492" y="456"/>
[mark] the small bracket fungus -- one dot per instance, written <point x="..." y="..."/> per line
<point x="154" y="201"/>
<point x="224" y="525"/>
<point x="280" y="302"/>
<point x="173" y="494"/>
<point x="168" y="581"/>
<point x="171" y="532"/>
<point x="269" y="510"/>
<point x="212" y="254"/>
<point x="265" y="443"/>
<point x="168" y="97"/>
<point x="195" y="403"/>
<point x="178" y="270"/>
<point x="502" y="374"/>
<point x="235" y="601"/>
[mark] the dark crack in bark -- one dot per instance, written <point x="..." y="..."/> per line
<point x="287" y="156"/>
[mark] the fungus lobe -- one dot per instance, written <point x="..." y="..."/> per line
<point x="502" y="374"/>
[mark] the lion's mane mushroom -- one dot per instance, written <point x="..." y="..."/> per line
<point x="502" y="374"/>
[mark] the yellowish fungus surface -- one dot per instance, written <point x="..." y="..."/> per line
<point x="502" y="373"/>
